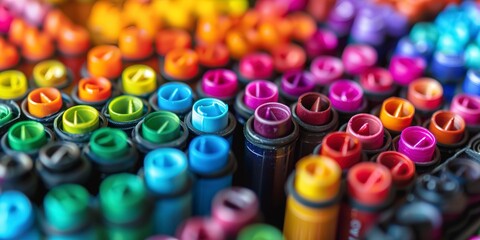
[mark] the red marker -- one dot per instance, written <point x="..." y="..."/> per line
<point x="400" y="166"/>
<point x="342" y="147"/>
<point x="288" y="57"/>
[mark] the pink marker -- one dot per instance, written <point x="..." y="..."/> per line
<point x="346" y="95"/>
<point x="357" y="58"/>
<point x="295" y="83"/>
<point x="405" y="69"/>
<point x="255" y="66"/>
<point x="322" y="42"/>
<point x="15" y="6"/>
<point x="326" y="69"/>
<point x="219" y="83"/>
<point x="417" y="143"/>
<point x="6" y="18"/>
<point x="468" y="107"/>
<point x="35" y="11"/>
<point x="368" y="129"/>
<point x="200" y="229"/>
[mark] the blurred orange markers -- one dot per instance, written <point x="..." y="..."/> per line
<point x="10" y="56"/>
<point x="213" y="55"/>
<point x="288" y="57"/>
<point x="36" y="46"/>
<point x="73" y="40"/>
<point x="94" y="89"/>
<point x="169" y="39"/>
<point x="135" y="44"/>
<point x="181" y="64"/>
<point x="104" y="61"/>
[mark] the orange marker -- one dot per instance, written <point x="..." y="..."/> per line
<point x="169" y="39"/>
<point x="135" y="44"/>
<point x="426" y="94"/>
<point x="17" y="31"/>
<point x="104" y="61"/>
<point x="181" y="64"/>
<point x="304" y="26"/>
<point x="237" y="44"/>
<point x="73" y="40"/>
<point x="10" y="56"/>
<point x="270" y="33"/>
<point x="449" y="131"/>
<point x="44" y="102"/>
<point x="54" y="21"/>
<point x="213" y="55"/>
<point x="212" y="30"/>
<point x="94" y="89"/>
<point x="37" y="46"/>
<point x="396" y="114"/>
<point x="288" y="57"/>
<point x="313" y="199"/>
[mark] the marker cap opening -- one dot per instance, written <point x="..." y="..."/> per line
<point x="314" y="108"/>
<point x="346" y="95"/>
<point x="50" y="73"/>
<point x="357" y="58"/>
<point x="220" y="83"/>
<point x="260" y="92"/>
<point x="80" y="119"/>
<point x="166" y="170"/>
<point x="447" y="127"/>
<point x="326" y="69"/>
<point x="400" y="166"/>
<point x="376" y="80"/>
<point x="256" y="66"/>
<point x="369" y="183"/>
<point x="208" y="153"/>
<point x="135" y="43"/>
<point x="17" y="214"/>
<point x="417" y="143"/>
<point x="234" y="208"/>
<point x="288" y="57"/>
<point x="209" y="115"/>
<point x="296" y="83"/>
<point x="6" y="114"/>
<point x="368" y="129"/>
<point x="139" y="80"/>
<point x="467" y="106"/>
<point x="109" y="143"/>
<point x="43" y="102"/>
<point x="322" y="42"/>
<point x="26" y="136"/>
<point x="169" y="39"/>
<point x="213" y="55"/>
<point x="161" y="127"/>
<point x="36" y="45"/>
<point x="425" y="93"/>
<point x="181" y="64"/>
<point x="73" y="39"/>
<point x="405" y="69"/>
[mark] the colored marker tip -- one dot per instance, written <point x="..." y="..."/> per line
<point x="208" y="153"/>
<point x="447" y="127"/>
<point x="377" y="80"/>
<point x="66" y="206"/>
<point x="346" y="95"/>
<point x="468" y="107"/>
<point x="297" y="83"/>
<point x="272" y="120"/>
<point x="400" y="166"/>
<point x="17" y="212"/>
<point x="109" y="143"/>
<point x="235" y="207"/>
<point x="313" y="108"/>
<point x="368" y="129"/>
<point x="166" y="170"/>
<point x="43" y="102"/>
<point x="26" y="136"/>
<point x="210" y="115"/>
<point x="50" y="73"/>
<point x="260" y="92"/>
<point x="6" y="114"/>
<point x="174" y="96"/>
<point x="220" y="83"/>
<point x="417" y="143"/>
<point x="139" y="80"/>
<point x="396" y="113"/>
<point x="161" y="127"/>
<point x="369" y="183"/>
<point x="425" y="93"/>
<point x="125" y="108"/>
<point x="13" y="84"/>
<point x="80" y="119"/>
<point x="343" y="148"/>
<point x="94" y="89"/>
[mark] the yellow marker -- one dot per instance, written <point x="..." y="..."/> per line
<point x="13" y="85"/>
<point x="50" y="73"/>
<point x="139" y="80"/>
<point x="313" y="200"/>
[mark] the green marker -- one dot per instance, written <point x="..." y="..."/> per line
<point x="27" y="136"/>
<point x="125" y="108"/>
<point x="80" y="119"/>
<point x="123" y="202"/>
<point x="109" y="143"/>
<point x="260" y="232"/>
<point x="161" y="127"/>
<point x="5" y="114"/>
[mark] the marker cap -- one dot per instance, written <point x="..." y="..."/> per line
<point x="13" y="84"/>
<point x="405" y="69"/>
<point x="238" y="44"/>
<point x="212" y="56"/>
<point x="357" y="58"/>
<point x="341" y="17"/>
<point x="122" y="197"/>
<point x="44" y="102"/>
<point x="209" y="115"/>
<point x="256" y="66"/>
<point x="26" y="136"/>
<point x="288" y="57"/>
<point x="139" y="80"/>
<point x="272" y="120"/>
<point x="17" y="214"/>
<point x="73" y="39"/>
<point x="447" y="127"/>
<point x="94" y="89"/>
<point x="296" y="83"/>
<point x="66" y="206"/>
<point x="211" y="30"/>
<point x="181" y="64"/>
<point x="368" y="129"/>
<point x="34" y="12"/>
<point x="161" y="127"/>
<point x="166" y="170"/>
<point x="10" y="56"/>
<point x="54" y="21"/>
<point x="135" y="43"/>
<point x="369" y="183"/>
<point x="314" y="108"/>
<point x="447" y="67"/>
<point x="471" y="84"/>
<point x="260" y="232"/>
<point x="260" y="92"/>
<point x="317" y="178"/>
<point x="326" y="69"/>
<point x="208" y="153"/>
<point x="417" y="143"/>
<point x="376" y="80"/>
<point x="425" y="33"/>
<point x="109" y="143"/>
<point x="342" y="147"/>
<point x="472" y="54"/>
<point x="125" y="108"/>
<point x="104" y="61"/>
<point x="6" y="114"/>
<point x="322" y="42"/>
<point x="401" y="167"/>
<point x="80" y="119"/>
<point x="175" y="96"/>
<point x="369" y="26"/>
<point x="50" y="73"/>
<point x="346" y="95"/>
<point x="468" y="107"/>
<point x="396" y="113"/>
<point x="425" y="93"/>
<point x="220" y="83"/>
<point x="17" y="30"/>
<point x="36" y="45"/>
<point x="169" y="39"/>
<point x="303" y="24"/>
<point x="200" y="228"/>
<point x="6" y="20"/>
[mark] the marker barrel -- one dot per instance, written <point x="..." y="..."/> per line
<point x="19" y="214"/>
<point x="19" y="175"/>
<point x="10" y="114"/>
<point x="125" y="112"/>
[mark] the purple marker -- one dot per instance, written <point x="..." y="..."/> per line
<point x="419" y="145"/>
<point x="255" y="66"/>
<point x="295" y="83"/>
<point x="405" y="69"/>
<point x="396" y="23"/>
<point x="272" y="120"/>
<point x="357" y="58"/>
<point x="6" y="18"/>
<point x="322" y="42"/>
<point x="369" y="26"/>
<point x="341" y="17"/>
<point x="468" y="107"/>
<point x="35" y="11"/>
<point x="347" y="98"/>
<point x="326" y="69"/>
<point x="219" y="83"/>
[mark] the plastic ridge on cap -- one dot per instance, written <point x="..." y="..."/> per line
<point x="209" y="115"/>
<point x="368" y="129"/>
<point x="396" y="113"/>
<point x="260" y="92"/>
<point x="417" y="143"/>
<point x="166" y="170"/>
<point x="50" y="73"/>
<point x="342" y="147"/>
<point x="272" y="120"/>
<point x="376" y="80"/>
<point x="94" y="89"/>
<point x="109" y="143"/>
<point x="43" y="102"/>
<point x="125" y="108"/>
<point x="314" y="108"/>
<point x="13" y="84"/>
<point x="26" y="136"/>
<point x="357" y="58"/>
<point x="296" y="83"/>
<point x="175" y="97"/>
<point x="447" y="127"/>
<point x="369" y="183"/>
<point x="80" y="119"/>
<point x="139" y="80"/>
<point x="346" y="95"/>
<point x="405" y="69"/>
<point x="161" y="127"/>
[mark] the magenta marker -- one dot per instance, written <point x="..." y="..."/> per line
<point x="322" y="42"/>
<point x="370" y="132"/>
<point x="255" y="66"/>
<point x="6" y="18"/>
<point x="295" y="83"/>
<point x="347" y="98"/>
<point x="326" y="69"/>
<point x="377" y="84"/>
<point x="405" y="69"/>
<point x="219" y="83"/>
<point x="357" y="58"/>
<point x="468" y="107"/>
<point x="200" y="229"/>
<point x="418" y="144"/>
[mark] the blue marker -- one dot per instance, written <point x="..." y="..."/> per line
<point x="211" y="116"/>
<point x="175" y="97"/>
<point x="471" y="84"/>
<point x="406" y="47"/>
<point x="213" y="164"/>
<point x="17" y="217"/>
<point x="447" y="67"/>
<point x="167" y="179"/>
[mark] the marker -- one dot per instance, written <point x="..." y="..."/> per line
<point x="305" y="25"/>
<point x="288" y="57"/>
<point x="211" y="30"/>
<point x="426" y="94"/>
<point x="175" y="97"/>
<point x="342" y="147"/>
<point x="110" y="151"/>
<point x="357" y="58"/>
<point x="255" y="94"/>
<point x="45" y="104"/>
<point x="316" y="118"/>
<point x="370" y="192"/>
<point x="368" y="129"/>
<point x="293" y="84"/>
<point x="418" y="144"/>
<point x="67" y="213"/>
<point x="17" y="173"/>
<point x="10" y="57"/>
<point x="124" y="207"/>
<point x="52" y="73"/>
<point x="369" y="26"/>
<point x="211" y="56"/>
<point x="160" y="129"/>
<point x="18" y="214"/>
<point x="17" y="30"/>
<point x="218" y="83"/>
<point x="270" y="139"/>
<point x="197" y="228"/>
<point x="401" y="168"/>
<point x="138" y="80"/>
<point x="36" y="46"/>
<point x="93" y="91"/>
<point x="471" y="53"/>
<point x="447" y="67"/>
<point x="73" y="40"/>
<point x="169" y="39"/>
<point x="322" y="42"/>
<point x="313" y="191"/>
<point x="181" y="65"/>
<point x="424" y="35"/>
<point x="347" y="99"/>
<point x="77" y="123"/>
<point x="60" y="163"/>
<point x="397" y="114"/>
<point x="405" y="69"/>
<point x="167" y="178"/>
<point x="7" y="18"/>
<point x="471" y="84"/>
<point x="13" y="85"/>
<point x="260" y="231"/>
<point x="326" y="70"/>
<point x="254" y="66"/>
<point x="406" y="47"/>
<point x="468" y="107"/>
<point x="377" y="85"/>
<point x="135" y="44"/>
<point x="103" y="61"/>
<point x="27" y="137"/>
<point x="341" y="17"/>
<point x="35" y="12"/>
<point x="124" y="112"/>
<point x="234" y="209"/>
<point x="211" y="116"/>
<point x="10" y="113"/>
